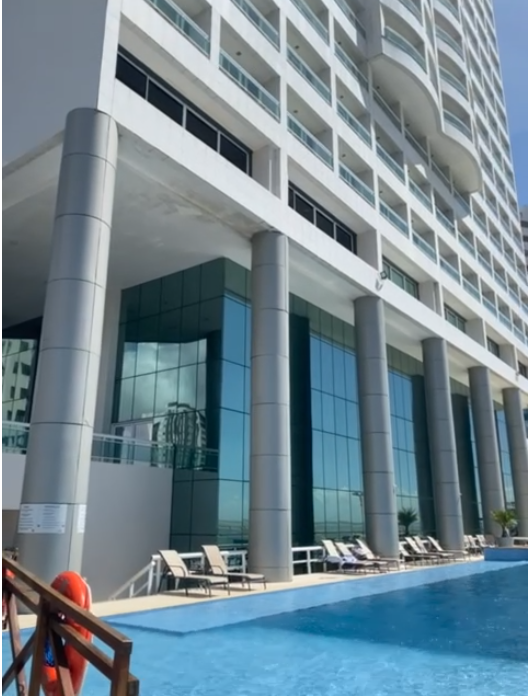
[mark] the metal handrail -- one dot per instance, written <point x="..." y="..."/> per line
<point x="147" y="580"/>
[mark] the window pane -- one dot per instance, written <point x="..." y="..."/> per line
<point x="233" y="386"/>
<point x="202" y="130"/>
<point x="126" y="395"/>
<point x="144" y="397"/>
<point x="234" y="331"/>
<point x="231" y="445"/>
<point x="344" y="238"/>
<point x="230" y="511"/>
<point x="327" y="368"/>
<point x="340" y="416"/>
<point x="149" y="298"/>
<point x="233" y="153"/>
<point x="129" y="75"/>
<point x="171" y="291"/>
<point x="165" y="102"/>
<point x="317" y="415"/>
<point x="339" y="371"/>
<point x="328" y="413"/>
<point x="329" y="455"/>
<point x="324" y="223"/>
<point x="304" y="208"/>
<point x="342" y="463"/>
<point x="317" y="459"/>
<point x="315" y="363"/>
<point x="187" y="387"/>
<point x="166" y="391"/>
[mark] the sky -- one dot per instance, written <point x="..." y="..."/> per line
<point x="511" y="17"/>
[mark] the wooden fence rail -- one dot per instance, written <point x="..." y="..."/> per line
<point x="52" y="610"/>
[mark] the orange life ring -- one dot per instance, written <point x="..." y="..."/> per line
<point x="6" y="574"/>
<point x="75" y="588"/>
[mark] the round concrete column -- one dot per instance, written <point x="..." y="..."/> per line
<point x="489" y="467"/>
<point x="55" y="490"/>
<point x="442" y="444"/>
<point x="516" y="429"/>
<point x="270" y="545"/>
<point x="381" y="519"/>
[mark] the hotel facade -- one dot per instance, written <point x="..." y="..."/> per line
<point x="264" y="279"/>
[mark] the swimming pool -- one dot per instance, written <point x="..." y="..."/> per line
<point x="467" y="637"/>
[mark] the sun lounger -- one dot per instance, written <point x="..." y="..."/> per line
<point x="217" y="565"/>
<point x="435" y="546"/>
<point x="419" y="554"/>
<point x="175" y="568"/>
<point x="347" y="553"/>
<point x="442" y="555"/>
<point x="471" y="545"/>
<point x="371" y="556"/>
<point x="345" y="563"/>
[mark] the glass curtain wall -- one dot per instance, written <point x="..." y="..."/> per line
<point x="504" y="452"/>
<point x="183" y="384"/>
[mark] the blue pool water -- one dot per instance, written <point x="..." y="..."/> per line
<point x="463" y="637"/>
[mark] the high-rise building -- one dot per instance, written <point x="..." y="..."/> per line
<point x="294" y="221"/>
<point x="524" y="229"/>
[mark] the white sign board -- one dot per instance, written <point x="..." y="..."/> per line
<point x="81" y="519"/>
<point x="42" y="518"/>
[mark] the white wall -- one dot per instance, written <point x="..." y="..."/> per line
<point x="128" y="518"/>
<point x="55" y="51"/>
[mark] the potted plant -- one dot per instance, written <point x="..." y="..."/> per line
<point x="406" y="518"/>
<point x="506" y="519"/>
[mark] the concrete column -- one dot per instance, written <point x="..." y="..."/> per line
<point x="489" y="467"/>
<point x="442" y="443"/>
<point x="381" y="519"/>
<point x="518" y="454"/>
<point x="270" y="470"/>
<point x="55" y="490"/>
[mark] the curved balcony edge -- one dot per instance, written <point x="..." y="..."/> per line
<point x="460" y="154"/>
<point x="409" y="83"/>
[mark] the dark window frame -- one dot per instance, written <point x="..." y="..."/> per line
<point x="389" y="268"/>
<point x="294" y="193"/>
<point x="187" y="106"/>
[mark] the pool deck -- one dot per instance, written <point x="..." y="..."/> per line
<point x="173" y="599"/>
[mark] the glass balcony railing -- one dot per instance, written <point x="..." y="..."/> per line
<point x="395" y="219"/>
<point x="501" y="281"/>
<point x="496" y="243"/>
<point x="248" y="83"/>
<point x="259" y="21"/>
<point x="448" y="39"/>
<point x="312" y="18"/>
<point x="450" y="269"/>
<point x="355" y="182"/>
<point x="421" y="195"/>
<point x="462" y="203"/>
<point x="391" y="163"/>
<point x="505" y="319"/>
<point x="15" y="437"/>
<point x="401" y="42"/>
<point x="440" y="174"/>
<point x="515" y="297"/>
<point x="351" y="66"/>
<point x="351" y="16"/>
<point x="480" y="223"/>
<point x="490" y="306"/>
<point x="454" y="82"/>
<point x="519" y="333"/>
<point x="119" y="450"/>
<point x="415" y="9"/>
<point x="424" y="246"/>
<point x="445" y="221"/>
<point x="451" y="7"/>
<point x="458" y="124"/>
<point x="417" y="146"/>
<point x="305" y="71"/>
<point x="485" y="264"/>
<point x="471" y="289"/>
<point x="183" y="24"/>
<point x="310" y="141"/>
<point x="387" y="110"/>
<point x="468" y="246"/>
<point x="354" y="124"/>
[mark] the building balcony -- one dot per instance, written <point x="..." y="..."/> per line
<point x="315" y="22"/>
<point x="184" y="24"/>
<point x="426" y="247"/>
<point x="449" y="10"/>
<point x="354" y="124"/>
<point x="359" y="186"/>
<point x="450" y="46"/>
<point x="352" y="17"/>
<point x="394" y="218"/>
<point x="456" y="148"/>
<point x="310" y="141"/>
<point x="400" y="71"/>
<point x="250" y="85"/>
<point x="259" y="21"/>
<point x="302" y="67"/>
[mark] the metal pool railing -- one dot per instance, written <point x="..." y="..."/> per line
<point x="147" y="580"/>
